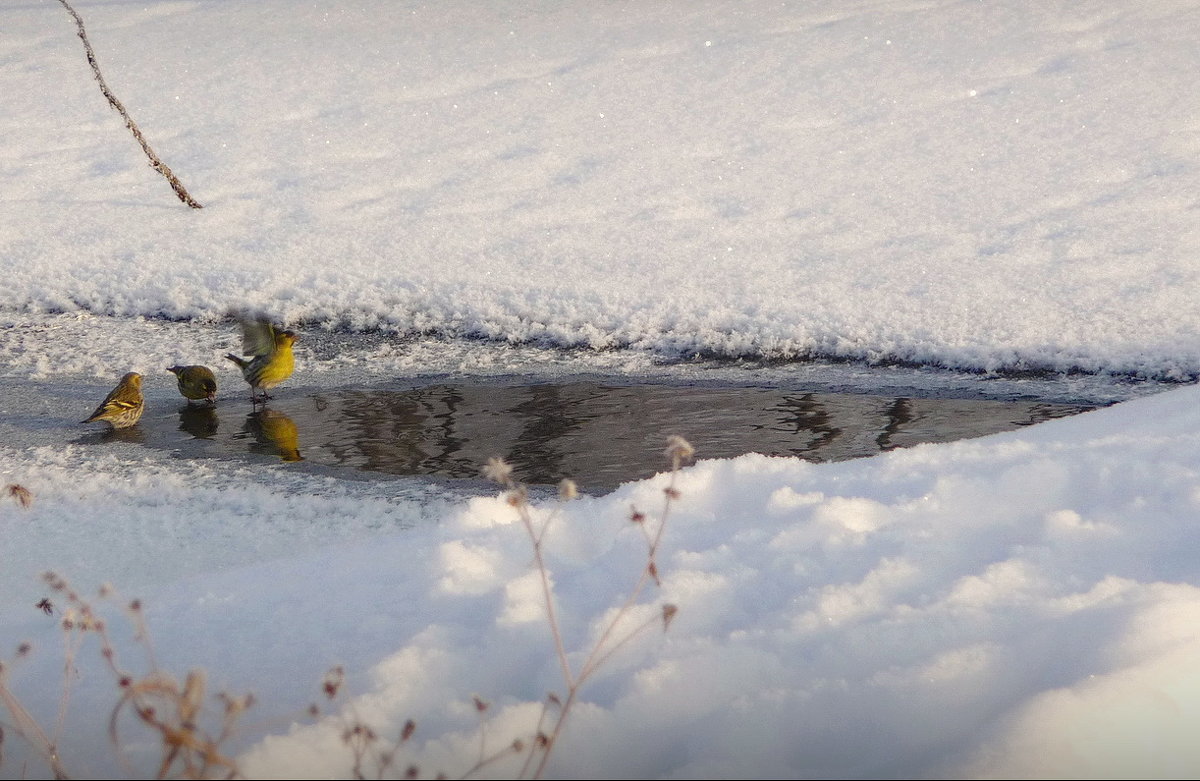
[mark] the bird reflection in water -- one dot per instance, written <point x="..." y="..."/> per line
<point x="274" y="433"/>
<point x="199" y="421"/>
<point x="131" y="434"/>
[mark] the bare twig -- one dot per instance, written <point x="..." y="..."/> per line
<point x="27" y="727"/>
<point x="155" y="162"/>
<point x="615" y="634"/>
<point x="171" y="710"/>
<point x="606" y="645"/>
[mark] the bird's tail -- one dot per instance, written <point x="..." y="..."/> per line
<point x="241" y="362"/>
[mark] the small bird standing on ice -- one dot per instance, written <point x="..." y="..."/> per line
<point x="269" y="359"/>
<point x="124" y="404"/>
<point x="195" y="382"/>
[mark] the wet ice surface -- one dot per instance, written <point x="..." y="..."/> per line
<point x="373" y="406"/>
<point x="600" y="434"/>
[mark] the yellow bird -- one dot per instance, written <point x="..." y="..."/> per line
<point x="269" y="360"/>
<point x="195" y="382"/>
<point x="123" y="406"/>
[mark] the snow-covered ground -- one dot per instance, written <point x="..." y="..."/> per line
<point x="943" y="194"/>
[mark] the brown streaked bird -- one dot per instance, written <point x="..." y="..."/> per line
<point x="269" y="359"/>
<point x="124" y="404"/>
<point x="195" y="382"/>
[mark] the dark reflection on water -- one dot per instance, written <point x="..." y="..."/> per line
<point x="199" y="421"/>
<point x="105" y="434"/>
<point x="598" y="435"/>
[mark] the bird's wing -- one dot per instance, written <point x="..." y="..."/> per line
<point x="113" y="401"/>
<point x="115" y="396"/>
<point x="124" y="395"/>
<point x="258" y="336"/>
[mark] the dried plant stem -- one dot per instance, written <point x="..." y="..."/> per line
<point x="547" y="595"/>
<point x="609" y="641"/>
<point x="155" y="162"/>
<point x="172" y="711"/>
<point x="27" y="727"/>
<point x="516" y="747"/>
<point x="71" y="645"/>
<point x="603" y="650"/>
<point x="605" y="646"/>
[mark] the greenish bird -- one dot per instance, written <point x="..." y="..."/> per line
<point x="196" y="383"/>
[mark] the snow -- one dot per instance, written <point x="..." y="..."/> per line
<point x="938" y="194"/>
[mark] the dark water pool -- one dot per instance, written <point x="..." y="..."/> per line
<point x="598" y="434"/>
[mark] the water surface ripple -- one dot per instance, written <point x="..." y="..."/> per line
<point x="596" y="433"/>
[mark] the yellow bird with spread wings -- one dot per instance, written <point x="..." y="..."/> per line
<point x="268" y="358"/>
